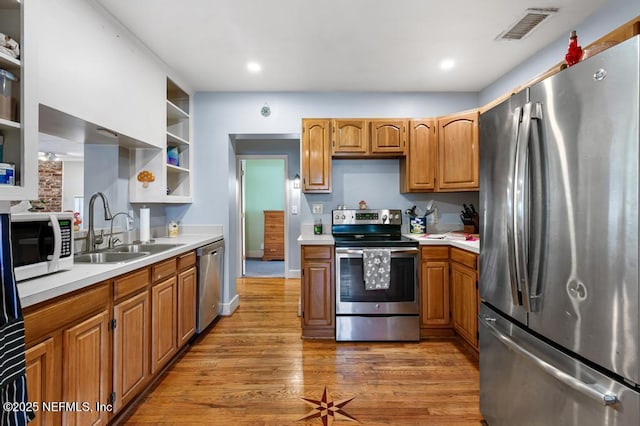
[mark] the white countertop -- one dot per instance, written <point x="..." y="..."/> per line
<point x="436" y="240"/>
<point x="310" y="239"/>
<point x="82" y="275"/>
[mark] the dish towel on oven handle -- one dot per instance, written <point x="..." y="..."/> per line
<point x="376" y="265"/>
<point x="13" y="383"/>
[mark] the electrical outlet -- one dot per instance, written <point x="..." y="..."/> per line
<point x="317" y="208"/>
<point x="294" y="209"/>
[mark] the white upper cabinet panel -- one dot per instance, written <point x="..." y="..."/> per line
<point x="92" y="68"/>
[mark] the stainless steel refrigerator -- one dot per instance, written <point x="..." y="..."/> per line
<point x="559" y="183"/>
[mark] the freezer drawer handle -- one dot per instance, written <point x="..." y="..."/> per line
<point x="572" y="382"/>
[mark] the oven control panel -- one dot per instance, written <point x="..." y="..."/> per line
<point x="367" y="217"/>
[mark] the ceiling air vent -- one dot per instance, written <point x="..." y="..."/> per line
<point x="527" y="23"/>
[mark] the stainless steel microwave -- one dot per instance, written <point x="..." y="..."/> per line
<point x="41" y="243"/>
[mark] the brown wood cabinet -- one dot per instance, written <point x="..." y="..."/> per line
<point x="435" y="313"/>
<point x="164" y="332"/>
<point x="71" y="354"/>
<point x="273" y="235"/>
<point x="388" y="136"/>
<point x="68" y="353"/>
<point x="86" y="369"/>
<point x="318" y="292"/>
<point x="187" y="292"/>
<point x="316" y="156"/>
<point x="41" y="379"/>
<point x="458" y="152"/>
<point x="131" y="340"/>
<point x="350" y="137"/>
<point x="418" y="169"/>
<point x="464" y="294"/>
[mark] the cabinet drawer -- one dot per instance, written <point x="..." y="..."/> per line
<point x="40" y="321"/>
<point x="130" y="283"/>
<point x="317" y="252"/>
<point x="434" y="252"/>
<point x="162" y="270"/>
<point x="464" y="257"/>
<point x="186" y="260"/>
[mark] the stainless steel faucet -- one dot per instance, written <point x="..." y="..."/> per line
<point x="92" y="240"/>
<point x="112" y="240"/>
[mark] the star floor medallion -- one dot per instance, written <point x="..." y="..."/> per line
<point x="327" y="410"/>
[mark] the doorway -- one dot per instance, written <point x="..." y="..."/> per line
<point x="262" y="217"/>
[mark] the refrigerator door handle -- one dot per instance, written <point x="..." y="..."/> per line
<point x="511" y="187"/>
<point x="520" y="236"/>
<point x="580" y="386"/>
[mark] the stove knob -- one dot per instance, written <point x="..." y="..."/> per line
<point x="384" y="218"/>
<point x="343" y="217"/>
<point x="337" y="217"/>
<point x="397" y="216"/>
<point x="377" y="306"/>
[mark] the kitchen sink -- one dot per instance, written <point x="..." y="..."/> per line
<point x="107" y="257"/>
<point x="123" y="253"/>
<point x="139" y="248"/>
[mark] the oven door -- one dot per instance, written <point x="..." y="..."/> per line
<point x="400" y="298"/>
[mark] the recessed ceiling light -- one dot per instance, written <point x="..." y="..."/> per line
<point x="254" y="67"/>
<point x="447" y="64"/>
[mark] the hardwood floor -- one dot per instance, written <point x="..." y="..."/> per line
<point x="253" y="368"/>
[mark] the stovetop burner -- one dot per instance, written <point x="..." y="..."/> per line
<point x="373" y="241"/>
<point x="369" y="228"/>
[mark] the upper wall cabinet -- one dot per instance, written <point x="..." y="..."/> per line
<point x="350" y="137"/>
<point x="316" y="155"/>
<point x="388" y="136"/>
<point x="418" y="168"/>
<point x="18" y="106"/>
<point x="458" y="136"/>
<point x="92" y="68"/>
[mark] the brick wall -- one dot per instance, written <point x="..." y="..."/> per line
<point x="50" y="185"/>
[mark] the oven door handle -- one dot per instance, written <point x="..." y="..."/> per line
<point x="404" y="250"/>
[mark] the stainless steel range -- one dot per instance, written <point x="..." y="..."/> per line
<point x="387" y="314"/>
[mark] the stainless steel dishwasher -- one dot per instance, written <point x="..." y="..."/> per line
<point x="210" y="279"/>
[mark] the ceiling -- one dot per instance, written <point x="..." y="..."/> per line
<point x="342" y="45"/>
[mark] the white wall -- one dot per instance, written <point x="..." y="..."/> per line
<point x="609" y="17"/>
<point x="218" y="115"/>
<point x="72" y="182"/>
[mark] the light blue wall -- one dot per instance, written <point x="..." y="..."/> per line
<point x="218" y="115"/>
<point x="609" y="17"/>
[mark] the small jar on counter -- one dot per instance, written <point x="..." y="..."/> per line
<point x="317" y="227"/>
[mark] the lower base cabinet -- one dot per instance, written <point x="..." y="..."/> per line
<point x="464" y="295"/>
<point x="435" y="312"/>
<point x="86" y="370"/>
<point x="103" y="345"/>
<point x="41" y="375"/>
<point x="163" y="323"/>
<point x="318" y="292"/>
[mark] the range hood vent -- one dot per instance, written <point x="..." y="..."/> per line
<point x="527" y="23"/>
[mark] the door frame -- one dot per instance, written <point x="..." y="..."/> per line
<point x="240" y="159"/>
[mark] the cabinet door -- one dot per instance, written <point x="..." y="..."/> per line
<point x="86" y="369"/>
<point x="316" y="156"/>
<point x="418" y="170"/>
<point x="350" y="137"/>
<point x="435" y="294"/>
<point x="388" y="136"/>
<point x="318" y="301"/>
<point x="187" y="287"/>
<point x="465" y="302"/>
<point x="163" y="323"/>
<point x="458" y="152"/>
<point x="41" y="380"/>
<point x="131" y="348"/>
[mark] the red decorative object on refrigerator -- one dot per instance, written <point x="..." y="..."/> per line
<point x="574" y="52"/>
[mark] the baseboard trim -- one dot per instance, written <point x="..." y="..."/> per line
<point x="230" y="308"/>
<point x="254" y="254"/>
<point x="294" y="273"/>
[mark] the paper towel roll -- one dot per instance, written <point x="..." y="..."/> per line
<point x="145" y="225"/>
